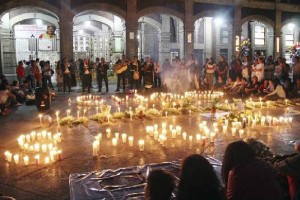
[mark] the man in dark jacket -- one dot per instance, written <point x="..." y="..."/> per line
<point x="101" y="69"/>
<point x="290" y="166"/>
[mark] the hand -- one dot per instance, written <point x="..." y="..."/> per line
<point x="264" y="98"/>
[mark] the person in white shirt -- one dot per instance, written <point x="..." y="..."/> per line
<point x="258" y="70"/>
<point x="278" y="93"/>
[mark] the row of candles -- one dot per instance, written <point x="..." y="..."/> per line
<point x="115" y="140"/>
<point x="42" y="143"/>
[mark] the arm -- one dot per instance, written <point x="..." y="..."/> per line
<point x="288" y="166"/>
<point x="272" y="93"/>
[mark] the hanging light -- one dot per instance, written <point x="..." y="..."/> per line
<point x="39" y="22"/>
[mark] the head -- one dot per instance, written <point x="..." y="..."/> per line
<point x="97" y="59"/>
<point x="238" y="78"/>
<point x="266" y="82"/>
<point x="260" y="60"/>
<point x="26" y="83"/>
<point x="222" y="58"/>
<point x="236" y="153"/>
<point x="160" y="185"/>
<point x="211" y="60"/>
<point x="20" y="63"/>
<point x="51" y="30"/>
<point x="254" y="79"/>
<point x="15" y="83"/>
<point x="279" y="60"/>
<point x="198" y="179"/>
<point x="244" y="80"/>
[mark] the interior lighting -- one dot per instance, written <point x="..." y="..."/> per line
<point x="39" y="22"/>
<point x="291" y="26"/>
<point x="218" y="21"/>
<point x="87" y="23"/>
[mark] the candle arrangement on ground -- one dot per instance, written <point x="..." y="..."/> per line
<point x="89" y="100"/>
<point x="36" y="147"/>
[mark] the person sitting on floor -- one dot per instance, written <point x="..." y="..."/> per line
<point x="239" y="90"/>
<point x="219" y="83"/>
<point x="248" y="178"/>
<point x="15" y="89"/>
<point x="278" y="93"/>
<point x="198" y="180"/>
<point x="160" y="185"/>
<point x="252" y="87"/>
<point x="228" y="84"/>
<point x="290" y="166"/>
<point x="6" y="98"/>
<point x="263" y="87"/>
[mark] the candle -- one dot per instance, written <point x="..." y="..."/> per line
<point x="37" y="147"/>
<point x="141" y="145"/>
<point x="28" y="138"/>
<point x="241" y="132"/>
<point x="44" y="148"/>
<point x="184" y="134"/>
<point x="108" y="131"/>
<point x="31" y="148"/>
<point x="173" y="133"/>
<point x="47" y="160"/>
<point x="78" y="114"/>
<point x="68" y="112"/>
<point x="8" y="156"/>
<point x="198" y="138"/>
<point x="16" y="158"/>
<point x="170" y="127"/>
<point x="95" y="148"/>
<point x="130" y="141"/>
<point x="84" y="111"/>
<point x="117" y="135"/>
<point x="50" y="146"/>
<point x="40" y="116"/>
<point x="290" y="119"/>
<point x="33" y="135"/>
<point x="286" y="102"/>
<point x="178" y="130"/>
<point x="114" y="142"/>
<point x="190" y="138"/>
<point x="49" y="134"/>
<point x="155" y="127"/>
<point x="21" y="142"/>
<point x="233" y="131"/>
<point x="224" y="129"/>
<point x="44" y="135"/>
<point x="163" y="125"/>
<point x="26" y="160"/>
<point x="26" y="146"/>
<point x="38" y="136"/>
<point x="37" y="159"/>
<point x="212" y="136"/>
<point x="124" y="137"/>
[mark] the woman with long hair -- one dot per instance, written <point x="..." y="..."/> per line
<point x="198" y="180"/>
<point x="248" y="178"/>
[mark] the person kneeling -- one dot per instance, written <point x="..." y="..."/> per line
<point x="278" y="93"/>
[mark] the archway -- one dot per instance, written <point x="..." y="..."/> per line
<point x="24" y="37"/>
<point x="212" y="38"/>
<point x="160" y="36"/>
<point x="260" y="31"/>
<point x="98" y="34"/>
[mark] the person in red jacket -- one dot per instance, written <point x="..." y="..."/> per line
<point x="248" y="178"/>
<point x="20" y="72"/>
<point x="290" y="166"/>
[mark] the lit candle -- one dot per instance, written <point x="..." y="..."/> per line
<point x="95" y="148"/>
<point x="178" y="130"/>
<point x="117" y="135"/>
<point x="50" y="146"/>
<point x="44" y="135"/>
<point x="155" y="127"/>
<point x="184" y="134"/>
<point x="173" y="133"/>
<point x="286" y="102"/>
<point x="57" y="117"/>
<point x="108" y="131"/>
<point x="171" y="127"/>
<point x="141" y="145"/>
<point x="233" y="131"/>
<point x="26" y="146"/>
<point x="47" y="160"/>
<point x="16" y="158"/>
<point x="49" y="134"/>
<point x="26" y="160"/>
<point x="241" y="132"/>
<point x="290" y="119"/>
<point x="28" y="138"/>
<point x="44" y="148"/>
<point x="84" y="111"/>
<point x="37" y="159"/>
<point x="78" y="114"/>
<point x="8" y="156"/>
<point x="190" y="138"/>
<point x="224" y="128"/>
<point x="33" y="135"/>
<point x="37" y="147"/>
<point x="155" y="134"/>
<point x="198" y="138"/>
<point x="130" y="141"/>
<point x="114" y="142"/>
<point x="21" y="142"/>
<point x="163" y="125"/>
<point x="40" y="116"/>
<point x="124" y="137"/>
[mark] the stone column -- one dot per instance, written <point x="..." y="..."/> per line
<point x="66" y="30"/>
<point x="208" y="51"/>
<point x="1" y="63"/>
<point x="164" y="47"/>
<point x="188" y="29"/>
<point x="131" y="29"/>
<point x="278" y="42"/>
<point x="237" y="31"/>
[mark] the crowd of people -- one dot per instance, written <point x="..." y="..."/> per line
<point x="243" y="176"/>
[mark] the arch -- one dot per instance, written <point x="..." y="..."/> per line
<point x="259" y="18"/>
<point x="15" y="4"/>
<point x="161" y="10"/>
<point x="82" y="18"/>
<point x="41" y="16"/>
<point x="210" y="13"/>
<point x="152" y="22"/>
<point x="100" y="6"/>
<point x="290" y="20"/>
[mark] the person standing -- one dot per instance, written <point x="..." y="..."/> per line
<point x="296" y="70"/>
<point x="258" y="70"/>
<point x="37" y="74"/>
<point x="87" y="76"/>
<point x="59" y="76"/>
<point x="222" y="68"/>
<point x="210" y="71"/>
<point x="101" y="70"/>
<point x="269" y="68"/>
<point x="246" y="68"/>
<point x="134" y="73"/>
<point x="157" y="78"/>
<point x="121" y="76"/>
<point x="20" y="72"/>
<point x="66" y="74"/>
<point x="47" y="75"/>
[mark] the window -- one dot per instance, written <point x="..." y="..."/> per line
<point x="224" y="35"/>
<point x="259" y="35"/>
<point x="289" y="40"/>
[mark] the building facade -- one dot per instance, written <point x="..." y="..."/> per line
<point x="159" y="29"/>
